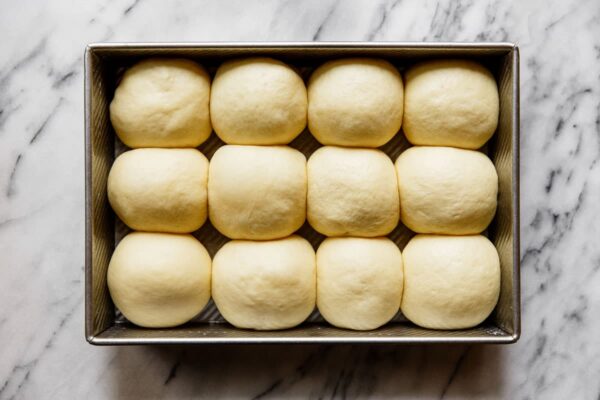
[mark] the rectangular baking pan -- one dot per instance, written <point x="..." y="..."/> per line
<point x="104" y="62"/>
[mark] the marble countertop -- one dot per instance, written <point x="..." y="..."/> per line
<point x="43" y="353"/>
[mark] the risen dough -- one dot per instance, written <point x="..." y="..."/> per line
<point x="257" y="192"/>
<point x="162" y="103"/>
<point x="257" y="101"/>
<point x="359" y="282"/>
<point x="355" y="102"/>
<point x="161" y="190"/>
<point x="446" y="190"/>
<point x="265" y="285"/>
<point x="159" y="280"/>
<point x="450" y="103"/>
<point x="450" y="282"/>
<point x="352" y="192"/>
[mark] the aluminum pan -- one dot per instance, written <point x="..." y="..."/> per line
<point x="100" y="326"/>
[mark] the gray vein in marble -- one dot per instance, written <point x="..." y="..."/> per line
<point x="562" y="18"/>
<point x="571" y="103"/>
<point x="553" y="174"/>
<point x="540" y="345"/>
<point x="549" y="276"/>
<point x="576" y="315"/>
<point x="281" y="384"/>
<point x="28" y="367"/>
<point x="26" y="216"/>
<point x="131" y="7"/>
<point x="595" y="269"/>
<point x="65" y="78"/>
<point x="29" y="57"/>
<point x="7" y="74"/>
<point x="6" y="112"/>
<point x="268" y="390"/>
<point x="561" y="223"/>
<point x="172" y="372"/>
<point x="10" y="190"/>
<point x="491" y="16"/>
<point x="576" y="151"/>
<point x="384" y="11"/>
<point x="454" y="372"/>
<point x="343" y="382"/>
<point x="42" y="127"/>
<point x="446" y="21"/>
<point x="325" y="20"/>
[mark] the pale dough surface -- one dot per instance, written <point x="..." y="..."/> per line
<point x="450" y="103"/>
<point x="159" y="280"/>
<point x="162" y="103"/>
<point x="446" y="190"/>
<point x="258" y="101"/>
<point x="257" y="192"/>
<point x="265" y="285"/>
<point x="359" y="282"/>
<point x="160" y="190"/>
<point x="450" y="282"/>
<point x="355" y="102"/>
<point x="352" y="192"/>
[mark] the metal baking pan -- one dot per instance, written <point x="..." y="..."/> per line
<point x="104" y="62"/>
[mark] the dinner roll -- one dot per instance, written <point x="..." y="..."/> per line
<point x="159" y="280"/>
<point x="265" y="285"/>
<point x="450" y="103"/>
<point x="446" y="190"/>
<point x="257" y="101"/>
<point x="162" y="103"/>
<point x="355" y="102"/>
<point x="162" y="190"/>
<point x="257" y="192"/>
<point x="450" y="282"/>
<point x="359" y="281"/>
<point x="352" y="192"/>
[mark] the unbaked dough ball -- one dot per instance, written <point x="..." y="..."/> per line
<point x="258" y="101"/>
<point x="355" y="102"/>
<point x="162" y="103"/>
<point x="446" y="190"/>
<point x="352" y="192"/>
<point x="359" y="282"/>
<point x="160" y="190"/>
<point x="450" y="103"/>
<point x="257" y="192"/>
<point x="159" y="280"/>
<point x="450" y="282"/>
<point x="265" y="285"/>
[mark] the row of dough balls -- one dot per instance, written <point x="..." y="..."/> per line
<point x="267" y="192"/>
<point x="161" y="280"/>
<point x="353" y="102"/>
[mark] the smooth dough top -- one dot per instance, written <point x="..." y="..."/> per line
<point x="359" y="281"/>
<point x="258" y="101"/>
<point x="257" y="192"/>
<point x="162" y="103"/>
<point x="352" y="192"/>
<point x="159" y="280"/>
<point x="355" y="102"/>
<point x="265" y="285"/>
<point x="446" y="190"/>
<point x="160" y="190"/>
<point x="450" y="282"/>
<point x="450" y="103"/>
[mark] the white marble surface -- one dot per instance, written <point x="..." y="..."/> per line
<point x="42" y="349"/>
